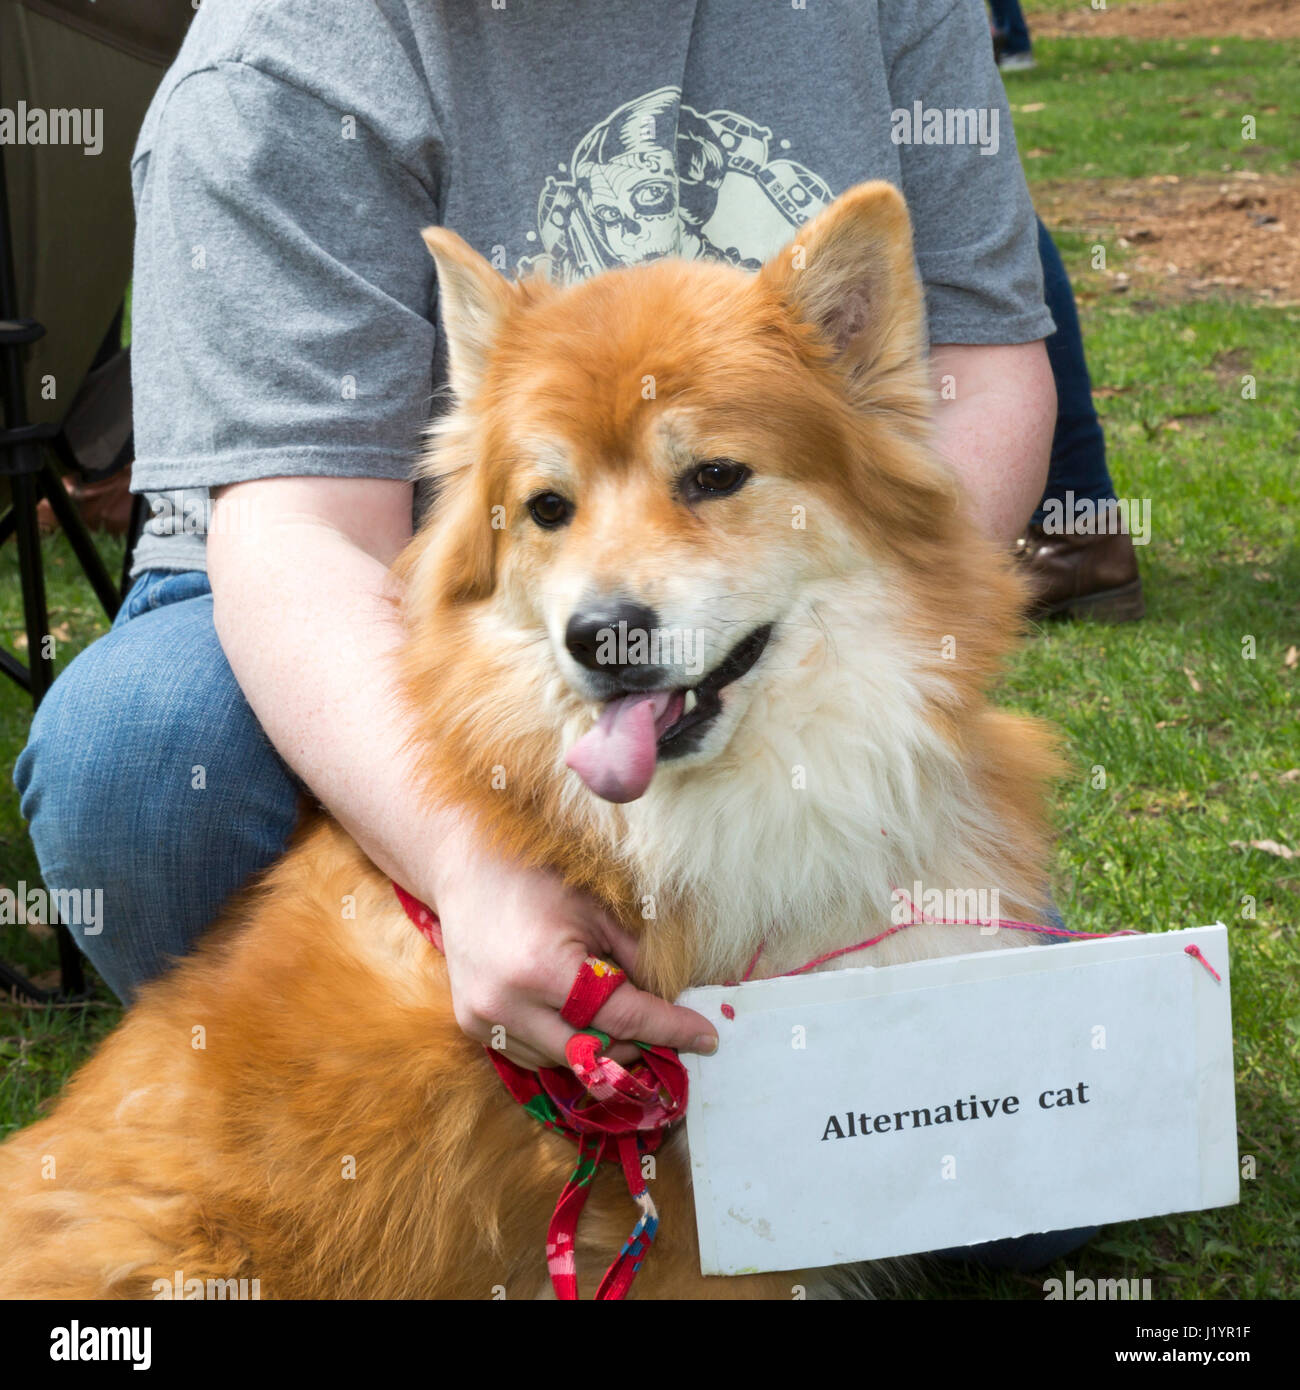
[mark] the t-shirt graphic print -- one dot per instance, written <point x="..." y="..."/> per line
<point x="658" y="178"/>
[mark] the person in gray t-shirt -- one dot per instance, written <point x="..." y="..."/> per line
<point x="286" y="356"/>
<point x="281" y="300"/>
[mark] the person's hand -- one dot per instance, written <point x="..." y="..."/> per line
<point x="514" y="939"/>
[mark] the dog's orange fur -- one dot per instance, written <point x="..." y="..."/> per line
<point x="215" y="1132"/>
<point x="323" y="1040"/>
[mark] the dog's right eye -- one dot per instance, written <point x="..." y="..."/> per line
<point x="713" y="478"/>
<point x="549" y="510"/>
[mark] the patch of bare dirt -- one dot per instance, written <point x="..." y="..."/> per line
<point x="1173" y="19"/>
<point x="1229" y="366"/>
<point x="1188" y="238"/>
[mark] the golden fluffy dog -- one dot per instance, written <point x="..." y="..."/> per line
<point x="737" y="469"/>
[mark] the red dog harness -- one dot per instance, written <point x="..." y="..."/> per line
<point x="612" y="1113"/>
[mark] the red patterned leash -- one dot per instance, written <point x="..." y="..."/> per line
<point x="612" y="1113"/>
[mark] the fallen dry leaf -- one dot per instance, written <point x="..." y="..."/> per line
<point x="1267" y="846"/>
<point x="1292" y="774"/>
<point x="1191" y="679"/>
<point x="1291" y="657"/>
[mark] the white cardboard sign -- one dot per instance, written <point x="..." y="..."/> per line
<point x="835" y="1122"/>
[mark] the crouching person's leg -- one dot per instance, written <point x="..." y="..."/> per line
<point x="147" y="776"/>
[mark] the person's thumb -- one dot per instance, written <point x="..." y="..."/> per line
<point x="632" y="1015"/>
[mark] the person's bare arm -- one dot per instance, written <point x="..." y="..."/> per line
<point x="299" y="574"/>
<point x="994" y="426"/>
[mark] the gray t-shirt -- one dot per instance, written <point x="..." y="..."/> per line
<point x="284" y="313"/>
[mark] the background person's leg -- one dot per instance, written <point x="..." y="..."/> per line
<point x="1012" y="50"/>
<point x="147" y="775"/>
<point x="1009" y="22"/>
<point x="1078" y="443"/>
<point x="1076" y="572"/>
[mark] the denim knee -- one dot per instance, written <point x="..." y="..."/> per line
<point x="147" y="777"/>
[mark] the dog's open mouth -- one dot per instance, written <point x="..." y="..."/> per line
<point x="618" y="757"/>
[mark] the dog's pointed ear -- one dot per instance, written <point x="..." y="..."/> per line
<point x="474" y="299"/>
<point x="849" y="274"/>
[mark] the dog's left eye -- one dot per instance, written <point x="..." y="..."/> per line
<point x="549" y="510"/>
<point x="716" y="478"/>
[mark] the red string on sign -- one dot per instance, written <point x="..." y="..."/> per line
<point x="1195" y="953"/>
<point x="1000" y="923"/>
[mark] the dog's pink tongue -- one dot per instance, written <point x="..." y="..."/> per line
<point x="617" y="758"/>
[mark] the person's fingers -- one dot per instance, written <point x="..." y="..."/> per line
<point x="635" y="1016"/>
<point x="548" y="1035"/>
<point x="632" y="1015"/>
<point x="532" y="1034"/>
<point x="541" y="1034"/>
<point x="625" y="1053"/>
<point x="524" y="1056"/>
<point x="621" y="1047"/>
<point x="568" y="963"/>
<point x="620" y="944"/>
<point x="536" y="1034"/>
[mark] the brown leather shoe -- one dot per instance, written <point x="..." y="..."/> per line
<point x="1075" y="576"/>
<point x="103" y="506"/>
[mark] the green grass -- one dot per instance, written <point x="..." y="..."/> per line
<point x="1152" y="849"/>
<point x="1114" y="108"/>
<point x="1036" y="8"/>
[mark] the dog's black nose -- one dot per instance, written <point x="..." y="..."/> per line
<point x="613" y="638"/>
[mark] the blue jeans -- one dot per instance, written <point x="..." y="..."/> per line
<point x="147" y="775"/>
<point x="1009" y="20"/>
<point x="1078" y="445"/>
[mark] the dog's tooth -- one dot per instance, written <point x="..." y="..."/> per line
<point x="689" y="703"/>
